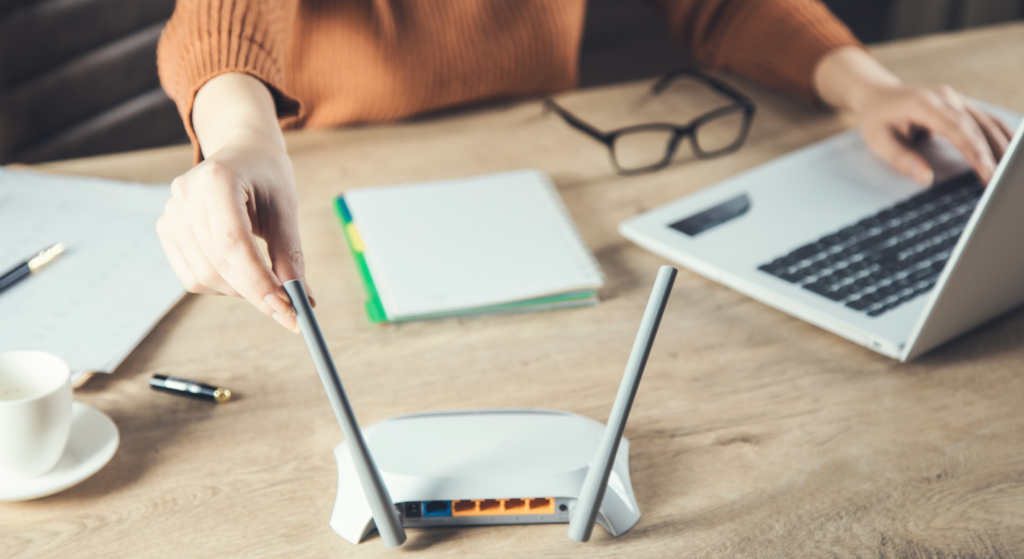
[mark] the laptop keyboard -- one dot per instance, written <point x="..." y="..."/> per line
<point x="889" y="258"/>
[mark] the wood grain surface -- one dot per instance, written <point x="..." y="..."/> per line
<point x="753" y="434"/>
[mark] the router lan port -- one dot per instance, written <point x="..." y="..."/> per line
<point x="463" y="508"/>
<point x="541" y="506"/>
<point x="514" y="506"/>
<point x="433" y="509"/>
<point x="490" y="506"/>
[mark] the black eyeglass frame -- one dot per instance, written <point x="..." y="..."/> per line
<point x="740" y="102"/>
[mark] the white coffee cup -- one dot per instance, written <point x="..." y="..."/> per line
<point x="35" y="413"/>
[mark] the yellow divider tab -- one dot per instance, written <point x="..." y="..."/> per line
<point x="355" y="238"/>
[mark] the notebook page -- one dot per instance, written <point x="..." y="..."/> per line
<point x="93" y="304"/>
<point x="467" y="243"/>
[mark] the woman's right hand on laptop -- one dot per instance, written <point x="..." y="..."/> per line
<point x="891" y="114"/>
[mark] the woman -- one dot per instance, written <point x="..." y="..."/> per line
<point x="235" y="68"/>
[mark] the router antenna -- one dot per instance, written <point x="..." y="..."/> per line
<point x="596" y="482"/>
<point x="385" y="517"/>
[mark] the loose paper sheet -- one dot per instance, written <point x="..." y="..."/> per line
<point x="93" y="304"/>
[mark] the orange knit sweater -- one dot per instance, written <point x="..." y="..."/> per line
<point x="378" y="60"/>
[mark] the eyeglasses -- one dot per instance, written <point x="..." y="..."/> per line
<point x="649" y="147"/>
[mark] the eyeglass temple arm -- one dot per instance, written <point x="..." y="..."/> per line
<point x="575" y="122"/>
<point x="719" y="86"/>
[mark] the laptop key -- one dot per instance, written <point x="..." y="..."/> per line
<point x="859" y="304"/>
<point x="926" y="287"/>
<point x="880" y="310"/>
<point x="869" y="222"/>
<point x="806" y="251"/>
<point x="873" y="297"/>
<point x="850" y="232"/>
<point x="793" y="278"/>
<point x="773" y="269"/>
<point x="865" y="282"/>
<point x="830" y="240"/>
<point x="824" y="289"/>
<point x="865" y="244"/>
<point x="887" y="290"/>
<point x="921" y="274"/>
<point x="886" y="215"/>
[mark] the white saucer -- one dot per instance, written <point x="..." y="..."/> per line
<point x="91" y="444"/>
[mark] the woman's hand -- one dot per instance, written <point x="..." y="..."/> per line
<point x="243" y="189"/>
<point x="892" y="115"/>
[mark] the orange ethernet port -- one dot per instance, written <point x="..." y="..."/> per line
<point x="514" y="506"/>
<point x="464" y="508"/>
<point x="490" y="506"/>
<point x="541" y="506"/>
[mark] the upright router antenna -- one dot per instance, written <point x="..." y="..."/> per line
<point x="385" y="517"/>
<point x="596" y="482"/>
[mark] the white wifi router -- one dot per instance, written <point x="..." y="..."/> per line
<point x="483" y="467"/>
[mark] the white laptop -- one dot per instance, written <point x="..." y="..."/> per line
<point x="831" y="235"/>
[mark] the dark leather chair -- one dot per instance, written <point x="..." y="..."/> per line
<point x="78" y="78"/>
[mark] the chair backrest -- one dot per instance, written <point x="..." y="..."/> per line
<point x="78" y="78"/>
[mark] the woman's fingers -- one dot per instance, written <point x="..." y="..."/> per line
<point x="1006" y="129"/>
<point x="996" y="135"/>
<point x="888" y="146"/>
<point x="177" y="259"/>
<point x="280" y="228"/>
<point x="191" y="251"/>
<point x="959" y="128"/>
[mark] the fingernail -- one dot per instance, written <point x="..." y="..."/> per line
<point x="284" y="321"/>
<point x="924" y="175"/>
<point x="279" y="305"/>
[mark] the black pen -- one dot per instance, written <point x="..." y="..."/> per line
<point x="189" y="388"/>
<point x="18" y="272"/>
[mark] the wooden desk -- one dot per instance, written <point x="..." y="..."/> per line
<point x="753" y="434"/>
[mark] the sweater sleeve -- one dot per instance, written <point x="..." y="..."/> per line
<point x="206" y="38"/>
<point x="775" y="42"/>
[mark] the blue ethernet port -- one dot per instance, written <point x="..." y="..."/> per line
<point x="437" y="508"/>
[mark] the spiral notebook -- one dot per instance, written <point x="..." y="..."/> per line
<point x="490" y="244"/>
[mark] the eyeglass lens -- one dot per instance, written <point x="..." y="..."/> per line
<point x="642" y="149"/>
<point x="720" y="134"/>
